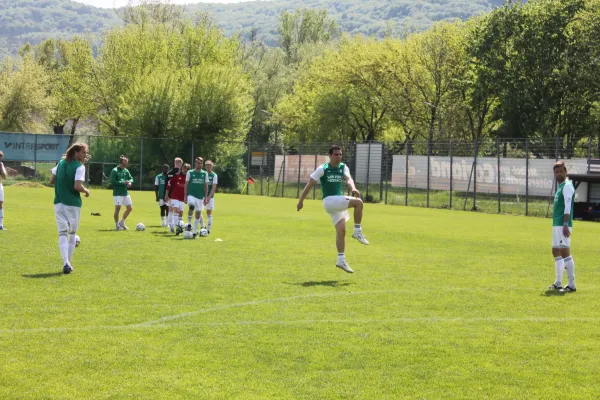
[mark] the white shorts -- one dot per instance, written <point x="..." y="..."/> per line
<point x="161" y="202"/>
<point x="67" y="218"/>
<point x="122" y="200"/>
<point x="196" y="202"/>
<point x="177" y="205"/>
<point x="558" y="239"/>
<point x="211" y="204"/>
<point x="1" y="192"/>
<point x="337" y="208"/>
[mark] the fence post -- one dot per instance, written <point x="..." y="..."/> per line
<point x="262" y="166"/>
<point x="589" y="157"/>
<point x="299" y="168"/>
<point x="451" y="170"/>
<point x="141" y="160"/>
<point x="315" y="186"/>
<point x="284" y="171"/>
<point x="406" y="151"/>
<point x="526" y="177"/>
<point x="248" y="166"/>
<point x="429" y="144"/>
<point x="35" y="158"/>
<point x="368" y="167"/>
<point x="499" y="187"/>
<point x="476" y="149"/>
<point x="386" y="150"/>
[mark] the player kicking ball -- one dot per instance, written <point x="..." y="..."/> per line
<point x="331" y="175"/>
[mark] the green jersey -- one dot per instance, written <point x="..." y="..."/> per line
<point x="196" y="182"/>
<point x="118" y="176"/>
<point x="332" y="179"/>
<point x="212" y="180"/>
<point x="67" y="172"/>
<point x="161" y="182"/>
<point x="565" y="193"/>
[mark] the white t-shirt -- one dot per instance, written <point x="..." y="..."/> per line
<point x="568" y="193"/>
<point x="319" y="172"/>
<point x="79" y="173"/>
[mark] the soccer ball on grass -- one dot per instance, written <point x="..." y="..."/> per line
<point x="77" y="240"/>
<point x="203" y="232"/>
<point x="140" y="227"/>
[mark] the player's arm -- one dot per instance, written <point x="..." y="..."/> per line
<point x="350" y="182"/>
<point x="206" y="186"/>
<point x="79" y="178"/>
<point x="568" y="194"/>
<point x="305" y="192"/>
<point x="168" y="190"/>
<point x="2" y="170"/>
<point x="113" y="179"/>
<point x="212" y="191"/>
<point x="53" y="176"/>
<point x="156" y="187"/>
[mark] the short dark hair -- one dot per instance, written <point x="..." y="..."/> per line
<point x="121" y="158"/>
<point x="334" y="148"/>
<point x="166" y="166"/>
<point x="559" y="164"/>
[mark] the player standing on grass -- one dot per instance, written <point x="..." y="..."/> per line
<point x="2" y="176"/>
<point x="210" y="199"/>
<point x="562" y="226"/>
<point x="68" y="177"/>
<point x="171" y="216"/>
<point x="176" y="193"/>
<point x="196" y="189"/>
<point x="160" y="184"/>
<point x="121" y="180"/>
<point x="331" y="175"/>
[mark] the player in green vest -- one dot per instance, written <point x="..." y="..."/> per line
<point x="68" y="176"/>
<point x="160" y="184"/>
<point x="196" y="190"/>
<point x="121" y="181"/>
<point x="2" y="176"/>
<point x="209" y="202"/>
<point x="562" y="225"/>
<point x="331" y="175"/>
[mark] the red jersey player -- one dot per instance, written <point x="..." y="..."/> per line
<point x="176" y="192"/>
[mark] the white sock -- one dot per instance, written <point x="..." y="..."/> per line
<point x="357" y="228"/>
<point x="209" y="222"/>
<point x="196" y="222"/>
<point x="169" y="218"/>
<point x="71" y="247"/>
<point x="570" y="267"/>
<point x="202" y="221"/>
<point x="559" y="264"/>
<point x="341" y="257"/>
<point x="63" y="246"/>
<point x="1" y="216"/>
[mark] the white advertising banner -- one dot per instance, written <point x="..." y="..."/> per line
<point x="306" y="164"/>
<point x="512" y="174"/>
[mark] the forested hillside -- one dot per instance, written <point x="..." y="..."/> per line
<point x="32" y="21"/>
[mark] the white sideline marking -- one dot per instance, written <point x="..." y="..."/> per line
<point x="166" y="322"/>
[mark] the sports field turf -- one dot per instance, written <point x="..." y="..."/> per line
<point x="443" y="305"/>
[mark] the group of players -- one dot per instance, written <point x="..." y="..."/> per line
<point x="174" y="188"/>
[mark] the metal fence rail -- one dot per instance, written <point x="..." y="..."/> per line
<point x="512" y="176"/>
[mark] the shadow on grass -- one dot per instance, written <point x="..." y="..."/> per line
<point x="43" y="276"/>
<point x="161" y="233"/>
<point x="552" y="292"/>
<point x="321" y="283"/>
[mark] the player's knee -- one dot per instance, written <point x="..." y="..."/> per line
<point x="192" y="208"/>
<point x="129" y="208"/>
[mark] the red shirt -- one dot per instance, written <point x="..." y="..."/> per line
<point x="176" y="187"/>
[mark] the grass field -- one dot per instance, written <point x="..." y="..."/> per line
<point x="443" y="305"/>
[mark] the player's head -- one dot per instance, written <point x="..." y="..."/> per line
<point x="335" y="154"/>
<point x="209" y="166"/>
<point x="199" y="163"/>
<point x="178" y="162"/>
<point x="123" y="161"/>
<point x="78" y="152"/>
<point x="165" y="169"/>
<point x="186" y="168"/>
<point x="560" y="171"/>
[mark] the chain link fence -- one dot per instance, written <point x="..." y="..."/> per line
<point x="509" y="176"/>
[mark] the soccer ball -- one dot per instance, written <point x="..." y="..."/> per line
<point x="140" y="227"/>
<point x="181" y="224"/>
<point x="203" y="232"/>
<point x="77" y="240"/>
<point x="188" y="235"/>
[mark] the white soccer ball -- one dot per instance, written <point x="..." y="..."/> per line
<point x="181" y="224"/>
<point x="203" y="232"/>
<point x="77" y="240"/>
<point x="188" y="235"/>
<point x="140" y="227"/>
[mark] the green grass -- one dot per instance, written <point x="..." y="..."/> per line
<point x="443" y="305"/>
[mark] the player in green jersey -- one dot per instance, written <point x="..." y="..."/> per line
<point x="2" y="176"/>
<point x="331" y="175"/>
<point x="121" y="181"/>
<point x="562" y="226"/>
<point x="196" y="190"/>
<point x="68" y="177"/>
<point x="209" y="202"/>
<point x="160" y="184"/>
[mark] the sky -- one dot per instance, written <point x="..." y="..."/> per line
<point x="120" y="3"/>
